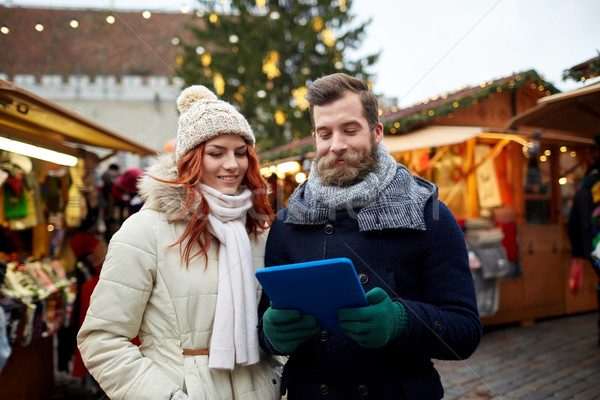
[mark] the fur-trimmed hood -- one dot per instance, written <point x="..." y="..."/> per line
<point x="165" y="197"/>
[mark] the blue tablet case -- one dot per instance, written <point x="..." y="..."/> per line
<point x="318" y="288"/>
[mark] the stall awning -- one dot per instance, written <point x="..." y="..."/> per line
<point x="431" y="136"/>
<point x="577" y="111"/>
<point x="29" y="118"/>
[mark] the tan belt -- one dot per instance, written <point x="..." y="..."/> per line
<point x="196" y="352"/>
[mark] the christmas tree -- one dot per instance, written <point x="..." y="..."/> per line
<point x="262" y="55"/>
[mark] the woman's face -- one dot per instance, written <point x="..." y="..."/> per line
<point x="224" y="163"/>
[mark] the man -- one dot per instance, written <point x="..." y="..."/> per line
<point x="408" y="251"/>
<point x="582" y="228"/>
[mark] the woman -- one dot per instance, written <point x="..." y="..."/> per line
<point x="180" y="273"/>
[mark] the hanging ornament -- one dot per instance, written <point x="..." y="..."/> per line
<point x="457" y="148"/>
<point x="456" y="173"/>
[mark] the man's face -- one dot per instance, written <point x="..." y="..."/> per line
<point x="346" y="147"/>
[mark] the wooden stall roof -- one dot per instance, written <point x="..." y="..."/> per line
<point x="577" y="111"/>
<point x="430" y="136"/>
<point x="32" y="119"/>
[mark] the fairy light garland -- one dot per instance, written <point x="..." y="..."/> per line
<point x="487" y="89"/>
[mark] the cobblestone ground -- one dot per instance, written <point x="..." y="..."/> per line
<point x="551" y="359"/>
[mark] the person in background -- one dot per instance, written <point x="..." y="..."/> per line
<point x="122" y="200"/>
<point x="407" y="248"/>
<point x="108" y="178"/>
<point x="582" y="228"/>
<point x="180" y="272"/>
<point x="90" y="251"/>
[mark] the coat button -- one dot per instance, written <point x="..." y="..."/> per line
<point x="363" y="390"/>
<point x="329" y="228"/>
<point x="364" y="278"/>
<point x="324" y="336"/>
<point x="438" y="325"/>
<point x="323" y="389"/>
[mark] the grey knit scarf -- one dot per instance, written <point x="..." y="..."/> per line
<point x="359" y="194"/>
<point x="390" y="198"/>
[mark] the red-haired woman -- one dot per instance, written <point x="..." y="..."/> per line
<point x="180" y="273"/>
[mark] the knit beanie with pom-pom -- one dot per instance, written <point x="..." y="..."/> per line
<point x="203" y="116"/>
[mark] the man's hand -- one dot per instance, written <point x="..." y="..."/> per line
<point x="287" y="329"/>
<point x="374" y="325"/>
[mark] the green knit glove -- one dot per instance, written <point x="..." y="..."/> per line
<point x="287" y="329"/>
<point x="374" y="325"/>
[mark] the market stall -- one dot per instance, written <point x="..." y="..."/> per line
<point x="511" y="189"/>
<point x="48" y="157"/>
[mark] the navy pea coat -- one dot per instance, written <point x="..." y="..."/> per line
<point x="426" y="270"/>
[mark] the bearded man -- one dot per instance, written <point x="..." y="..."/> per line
<point x="408" y="251"/>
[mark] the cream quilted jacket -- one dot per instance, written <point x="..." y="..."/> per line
<point x="145" y="291"/>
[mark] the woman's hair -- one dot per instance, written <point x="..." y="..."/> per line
<point x="330" y="88"/>
<point x="259" y="217"/>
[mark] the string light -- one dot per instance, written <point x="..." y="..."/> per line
<point x="146" y="14"/>
<point x="219" y="84"/>
<point x="328" y="37"/>
<point x="270" y="63"/>
<point x="280" y="117"/>
<point x="298" y="95"/>
<point x="39" y="27"/>
<point x="74" y="24"/>
<point x="110" y="19"/>
<point x="5" y="30"/>
<point x="318" y="24"/>
<point x="206" y="59"/>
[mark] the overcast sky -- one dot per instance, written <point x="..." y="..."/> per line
<point x="430" y="47"/>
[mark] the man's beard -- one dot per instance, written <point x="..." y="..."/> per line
<point x="358" y="166"/>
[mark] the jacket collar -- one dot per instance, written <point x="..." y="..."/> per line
<point x="165" y="197"/>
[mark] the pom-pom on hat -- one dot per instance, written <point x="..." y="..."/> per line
<point x="203" y="116"/>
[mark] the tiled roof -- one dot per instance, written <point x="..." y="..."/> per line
<point x="132" y="45"/>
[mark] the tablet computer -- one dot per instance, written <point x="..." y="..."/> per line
<point x="318" y="288"/>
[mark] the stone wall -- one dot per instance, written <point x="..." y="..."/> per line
<point x="140" y="108"/>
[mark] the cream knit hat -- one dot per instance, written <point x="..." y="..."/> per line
<point x="203" y="116"/>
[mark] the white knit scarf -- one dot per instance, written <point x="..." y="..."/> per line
<point x="235" y="336"/>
